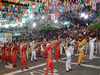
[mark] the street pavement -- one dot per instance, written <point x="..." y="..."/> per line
<point x="89" y="67"/>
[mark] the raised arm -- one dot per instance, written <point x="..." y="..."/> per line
<point x="93" y="40"/>
<point x="53" y="42"/>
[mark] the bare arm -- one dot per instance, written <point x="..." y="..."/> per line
<point x="53" y="42"/>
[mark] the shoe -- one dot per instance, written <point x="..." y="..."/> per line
<point x="67" y="71"/>
<point x="35" y="60"/>
<point x="82" y="62"/>
<point x="10" y="62"/>
<point x="71" y="69"/>
<point x="15" y="65"/>
<point x="91" y="58"/>
<point x="6" y="63"/>
<point x="31" y="61"/>
<point x="59" y="60"/>
<point x="79" y="64"/>
<point x="22" y="69"/>
<point x="27" y="68"/>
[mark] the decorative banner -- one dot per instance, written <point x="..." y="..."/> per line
<point x="52" y="10"/>
<point x="19" y="19"/>
<point x="98" y="1"/>
<point x="94" y="5"/>
<point x="52" y="16"/>
<point x="19" y="1"/>
<point x="54" y="1"/>
<point x="57" y="13"/>
<point x="34" y="7"/>
<point x="0" y="15"/>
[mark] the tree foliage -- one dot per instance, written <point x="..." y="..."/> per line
<point x="94" y="26"/>
<point x="47" y="29"/>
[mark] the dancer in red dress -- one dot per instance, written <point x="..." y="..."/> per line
<point x="50" y="57"/>
<point x="23" y="56"/>
<point x="58" y="54"/>
<point x="39" y="49"/>
<point x="45" y="50"/>
<point x="3" y="53"/>
<point x="8" y="54"/>
<point x="14" y="55"/>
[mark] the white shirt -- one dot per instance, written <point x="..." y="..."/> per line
<point x="33" y="46"/>
<point x="68" y="52"/>
<point x="92" y="42"/>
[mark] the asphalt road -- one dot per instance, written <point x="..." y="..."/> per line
<point x="90" y="67"/>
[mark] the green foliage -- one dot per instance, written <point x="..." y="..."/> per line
<point x="94" y="26"/>
<point x="47" y="29"/>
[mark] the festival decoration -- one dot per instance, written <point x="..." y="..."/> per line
<point x="34" y="7"/>
<point x="57" y="13"/>
<point x="69" y="9"/>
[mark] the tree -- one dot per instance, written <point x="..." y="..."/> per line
<point x="94" y="26"/>
<point x="47" y="29"/>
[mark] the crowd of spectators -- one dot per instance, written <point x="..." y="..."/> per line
<point x="73" y="33"/>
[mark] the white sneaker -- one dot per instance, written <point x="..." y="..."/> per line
<point x="90" y="58"/>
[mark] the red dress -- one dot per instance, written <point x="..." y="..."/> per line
<point x="45" y="51"/>
<point x="39" y="50"/>
<point x="23" y="56"/>
<point x="58" y="55"/>
<point x="14" y="55"/>
<point x="50" y="59"/>
<point x="8" y="54"/>
<point x="3" y="53"/>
